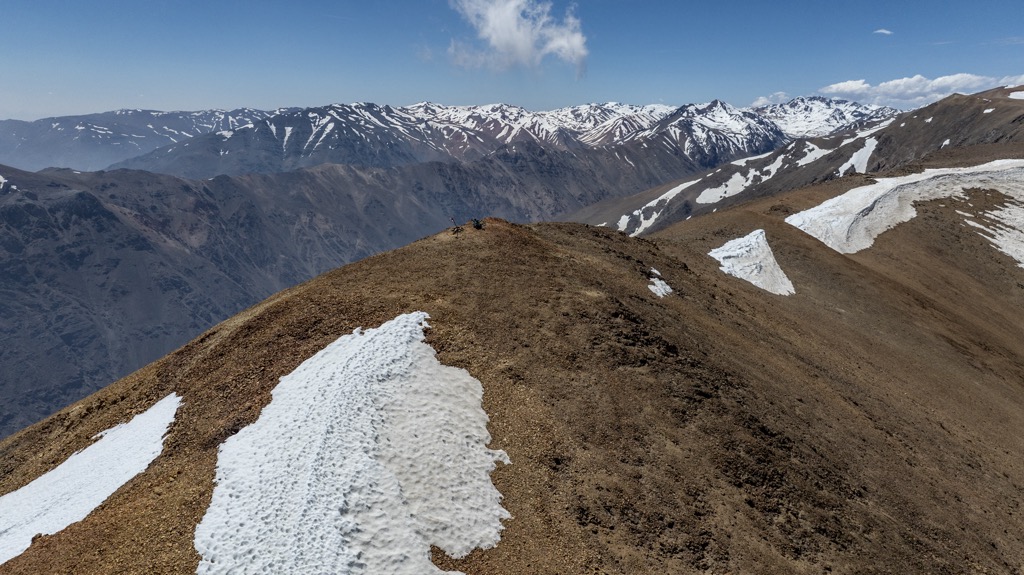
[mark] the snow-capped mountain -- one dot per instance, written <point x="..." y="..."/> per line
<point x="711" y="133"/>
<point x="94" y="141"/>
<point x="738" y="393"/>
<point x="815" y="116"/>
<point x="383" y="136"/>
<point x="988" y="118"/>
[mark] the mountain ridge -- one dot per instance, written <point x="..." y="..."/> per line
<point x="714" y="428"/>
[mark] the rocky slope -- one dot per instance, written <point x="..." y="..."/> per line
<point x="856" y="426"/>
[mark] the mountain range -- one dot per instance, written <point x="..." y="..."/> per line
<point x="94" y="141"/>
<point x="208" y="143"/>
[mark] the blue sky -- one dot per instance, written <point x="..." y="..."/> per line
<point x="60" y="57"/>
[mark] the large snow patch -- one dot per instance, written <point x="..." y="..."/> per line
<point x="859" y="160"/>
<point x="645" y="223"/>
<point x="1004" y="226"/>
<point x="851" y="222"/>
<point x="370" y="452"/>
<point x="70" y="491"/>
<point x="750" y="258"/>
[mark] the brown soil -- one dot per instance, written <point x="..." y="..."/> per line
<point x="866" y="424"/>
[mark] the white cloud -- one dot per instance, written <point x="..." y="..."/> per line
<point x="883" y="31"/>
<point x="916" y="91"/>
<point x="776" y="98"/>
<point x="518" y="33"/>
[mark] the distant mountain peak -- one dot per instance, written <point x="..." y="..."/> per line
<point x="816" y="116"/>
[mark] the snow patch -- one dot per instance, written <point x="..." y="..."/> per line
<point x="989" y="110"/>
<point x="750" y="258"/>
<point x="812" y="153"/>
<point x="623" y="223"/>
<point x="743" y="161"/>
<point x="658" y="285"/>
<point x="851" y="222"/>
<point x="287" y="134"/>
<point x="370" y="452"/>
<point x="1004" y="226"/>
<point x="734" y="185"/>
<point x="1017" y="95"/>
<point x="944" y="143"/>
<point x="69" y="492"/>
<point x="859" y="160"/>
<point x="738" y="182"/>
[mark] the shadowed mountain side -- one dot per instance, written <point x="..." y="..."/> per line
<point x="861" y="425"/>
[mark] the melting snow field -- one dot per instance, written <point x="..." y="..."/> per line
<point x="370" y="452"/>
<point x="1017" y="95"/>
<point x="812" y="153"/>
<point x="623" y="223"/>
<point x="69" y="492"/>
<point x="1004" y="227"/>
<point x="851" y="222"/>
<point x="750" y="258"/>
<point x="739" y="182"/>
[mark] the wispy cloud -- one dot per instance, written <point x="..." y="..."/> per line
<point x="916" y="91"/>
<point x="518" y="33"/>
<point x="883" y="32"/>
<point x="776" y="98"/>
